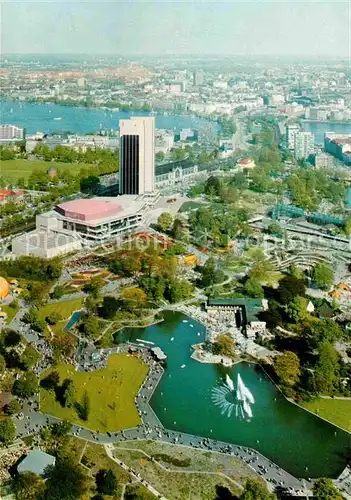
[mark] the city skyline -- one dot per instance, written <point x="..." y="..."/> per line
<point x="312" y="29"/>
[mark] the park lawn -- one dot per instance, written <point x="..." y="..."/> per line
<point x="175" y="484"/>
<point x="64" y="309"/>
<point x="10" y="311"/>
<point x="95" y="458"/>
<point x="337" y="411"/>
<point x="111" y="393"/>
<point x="12" y="170"/>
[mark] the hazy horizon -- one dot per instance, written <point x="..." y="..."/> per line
<point x="137" y="28"/>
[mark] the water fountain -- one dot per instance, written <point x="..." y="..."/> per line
<point x="228" y="398"/>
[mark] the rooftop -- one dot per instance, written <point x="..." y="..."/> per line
<point x="86" y="210"/>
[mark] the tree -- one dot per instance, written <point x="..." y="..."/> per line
<point x="2" y="364"/>
<point x="297" y="309"/>
<point x="165" y="221"/>
<point x="106" y="482"/>
<point x="26" y="385"/>
<point x="51" y="381"/>
<point x="134" y="297"/>
<point x="28" y="486"/>
<point x="318" y="331"/>
<point x="324" y="489"/>
<point x="179" y="229"/>
<point x="289" y="288"/>
<point x="256" y="490"/>
<point x="68" y="392"/>
<point x="53" y="318"/>
<point x="63" y="345"/>
<point x="210" y="274"/>
<point x="65" y="480"/>
<point x="160" y="156"/>
<point x="13" y="407"/>
<point x="213" y="186"/>
<point x="253" y="288"/>
<point x="325" y="370"/>
<point x="109" y="307"/>
<point x="275" y="229"/>
<point x="11" y="338"/>
<point x="323" y="276"/>
<point x="94" y="286"/>
<point x="347" y="226"/>
<point x="287" y="367"/>
<point x="29" y="357"/>
<point x="90" y="326"/>
<point x="178" y="290"/>
<point x="261" y="270"/>
<point x="58" y="292"/>
<point x="37" y="292"/>
<point x="226" y="345"/>
<point x="7" y="431"/>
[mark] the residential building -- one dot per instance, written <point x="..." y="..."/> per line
<point x="137" y="155"/>
<point x="303" y="144"/>
<point x="11" y="133"/>
<point x="339" y="146"/>
<point x="291" y="130"/>
<point x="323" y="160"/>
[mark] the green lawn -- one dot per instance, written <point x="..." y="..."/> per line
<point x="10" y="311"/>
<point x="12" y="170"/>
<point x="337" y="411"/>
<point x="111" y="393"/>
<point x="65" y="308"/>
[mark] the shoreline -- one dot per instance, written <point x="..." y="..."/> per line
<point x="332" y="122"/>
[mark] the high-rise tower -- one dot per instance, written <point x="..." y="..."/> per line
<point x="137" y="155"/>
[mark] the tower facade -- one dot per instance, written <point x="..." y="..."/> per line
<point x="137" y="155"/>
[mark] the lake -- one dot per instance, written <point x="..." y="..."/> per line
<point x="302" y="444"/>
<point x="319" y="129"/>
<point x="50" y="118"/>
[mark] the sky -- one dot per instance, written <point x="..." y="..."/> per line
<point x="251" y="27"/>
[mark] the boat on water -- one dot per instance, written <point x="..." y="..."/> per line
<point x="58" y="118"/>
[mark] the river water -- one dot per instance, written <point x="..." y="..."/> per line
<point x="50" y="118"/>
<point x="299" y="442"/>
<point x="319" y="129"/>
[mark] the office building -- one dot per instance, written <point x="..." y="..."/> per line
<point x="291" y="130"/>
<point x="11" y="133"/>
<point x="137" y="155"/>
<point x="303" y="144"/>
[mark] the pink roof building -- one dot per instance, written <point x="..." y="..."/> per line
<point x="88" y="210"/>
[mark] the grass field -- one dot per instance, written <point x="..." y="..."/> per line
<point x="111" y="393"/>
<point x="12" y="170"/>
<point x="10" y="311"/>
<point x="337" y="411"/>
<point x="183" y="481"/>
<point x="64" y="309"/>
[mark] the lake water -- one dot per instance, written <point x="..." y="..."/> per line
<point x="50" y="118"/>
<point x="319" y="129"/>
<point x="299" y="442"/>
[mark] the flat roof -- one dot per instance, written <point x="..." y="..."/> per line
<point x="90" y="209"/>
<point x="46" y="239"/>
<point x="118" y="207"/>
